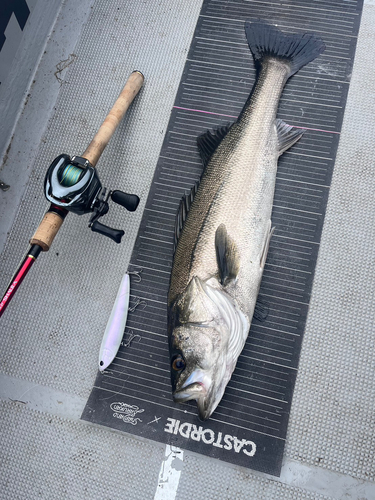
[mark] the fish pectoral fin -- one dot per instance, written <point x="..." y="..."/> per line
<point x="266" y="245"/>
<point x="286" y="135"/>
<point x="226" y="255"/>
<point x="209" y="141"/>
<point x="261" y="309"/>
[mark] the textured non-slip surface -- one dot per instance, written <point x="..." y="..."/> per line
<point x="67" y="297"/>
<point x="332" y="421"/>
<point x="47" y="457"/>
<point x="220" y="481"/>
<point x="217" y="79"/>
<point x="52" y="331"/>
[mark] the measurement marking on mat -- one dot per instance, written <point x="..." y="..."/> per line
<point x="310" y="8"/>
<point x="280" y="331"/>
<point x="279" y="25"/>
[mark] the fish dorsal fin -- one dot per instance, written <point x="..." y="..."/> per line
<point x="207" y="144"/>
<point x="183" y="211"/>
<point x="209" y="141"/>
<point x="226" y="255"/>
<point x="286" y="135"/>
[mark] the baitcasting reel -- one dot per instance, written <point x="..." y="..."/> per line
<point x="73" y="184"/>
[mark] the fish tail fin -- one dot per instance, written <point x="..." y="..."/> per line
<point x="266" y="41"/>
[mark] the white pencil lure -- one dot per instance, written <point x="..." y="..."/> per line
<point x="116" y="325"/>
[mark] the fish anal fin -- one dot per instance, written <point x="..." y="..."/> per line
<point x="226" y="255"/>
<point x="261" y="309"/>
<point x="266" y="245"/>
<point x="286" y="135"/>
<point x="209" y="141"/>
<point x="183" y="211"/>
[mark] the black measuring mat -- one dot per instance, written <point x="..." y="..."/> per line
<point x="249" y="426"/>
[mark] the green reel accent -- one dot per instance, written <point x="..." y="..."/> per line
<point x="71" y="175"/>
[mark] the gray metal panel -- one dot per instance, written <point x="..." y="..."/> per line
<point x="36" y="106"/>
<point x="44" y="456"/>
<point x="217" y="480"/>
<point x="57" y="320"/>
<point x="18" y="60"/>
<point x="332" y="422"/>
<point x="54" y="340"/>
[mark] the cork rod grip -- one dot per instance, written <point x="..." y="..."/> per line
<point x="47" y="230"/>
<point x="52" y="222"/>
<point x="101" y="139"/>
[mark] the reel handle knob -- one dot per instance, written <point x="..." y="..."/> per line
<point x="114" y="234"/>
<point x="128" y="201"/>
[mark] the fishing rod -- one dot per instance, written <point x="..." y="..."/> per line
<point x="73" y="185"/>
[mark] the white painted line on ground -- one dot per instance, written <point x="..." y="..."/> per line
<point x="169" y="475"/>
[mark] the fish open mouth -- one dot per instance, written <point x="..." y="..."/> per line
<point x="198" y="392"/>
<point x="195" y="390"/>
<point x="197" y="386"/>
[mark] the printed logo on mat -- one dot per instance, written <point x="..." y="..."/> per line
<point x="127" y="413"/>
<point x="209" y="437"/>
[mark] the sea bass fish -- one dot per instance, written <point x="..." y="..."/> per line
<point x="224" y="226"/>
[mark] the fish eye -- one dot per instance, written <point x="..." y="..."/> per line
<point x="178" y="363"/>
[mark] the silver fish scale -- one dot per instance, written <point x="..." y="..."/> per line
<point x="236" y="190"/>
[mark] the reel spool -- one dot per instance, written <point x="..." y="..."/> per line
<point x="73" y="184"/>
